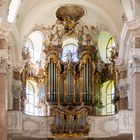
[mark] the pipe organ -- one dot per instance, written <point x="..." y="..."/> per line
<point x="70" y="82"/>
<point x="70" y="86"/>
<point x="74" y="72"/>
<point x="52" y="73"/>
<point x="87" y="90"/>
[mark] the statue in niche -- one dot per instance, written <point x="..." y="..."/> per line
<point x="69" y="56"/>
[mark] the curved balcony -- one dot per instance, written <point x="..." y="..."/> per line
<point x="100" y="126"/>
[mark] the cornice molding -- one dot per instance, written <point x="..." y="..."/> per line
<point x="9" y="33"/>
<point x="129" y="32"/>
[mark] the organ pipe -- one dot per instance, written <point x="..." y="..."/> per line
<point x="49" y="75"/>
<point x="87" y="85"/>
<point x="69" y="81"/>
<point x="53" y="72"/>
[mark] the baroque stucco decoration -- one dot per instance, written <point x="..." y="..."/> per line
<point x="55" y="35"/>
<point x="106" y="126"/>
<point x="4" y="65"/>
<point x="134" y="64"/>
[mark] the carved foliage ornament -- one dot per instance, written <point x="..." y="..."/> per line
<point x="57" y="33"/>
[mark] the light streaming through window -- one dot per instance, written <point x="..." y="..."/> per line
<point x="35" y="99"/>
<point x="108" y="92"/>
<point x="35" y="43"/>
<point x="105" y="44"/>
<point x="69" y="53"/>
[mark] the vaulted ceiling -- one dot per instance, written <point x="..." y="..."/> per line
<point x="107" y="12"/>
<point x="111" y="13"/>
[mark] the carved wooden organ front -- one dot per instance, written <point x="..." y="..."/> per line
<point x="74" y="73"/>
<point x="70" y="86"/>
<point x="70" y="82"/>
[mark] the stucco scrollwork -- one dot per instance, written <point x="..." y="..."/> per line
<point x="134" y="64"/>
<point x="14" y="122"/>
<point x="104" y="123"/>
<point x="102" y="27"/>
<point x="103" y="126"/>
<point x="36" y="126"/>
<point x="100" y="126"/>
<point x="126" y="121"/>
<point x="4" y="65"/>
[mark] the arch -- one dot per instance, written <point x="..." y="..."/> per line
<point x="85" y="57"/>
<point x="108" y="92"/>
<point x="70" y="46"/>
<point x="52" y="56"/>
<point x="105" y="44"/>
<point x="128" y="8"/>
<point x="43" y="7"/>
<point x="35" y="42"/>
<point x="33" y="105"/>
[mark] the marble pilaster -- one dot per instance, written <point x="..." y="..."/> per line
<point x="3" y="93"/>
<point x="134" y="67"/>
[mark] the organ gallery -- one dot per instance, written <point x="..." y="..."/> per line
<point x="68" y="77"/>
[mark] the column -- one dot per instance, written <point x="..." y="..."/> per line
<point x="136" y="107"/>
<point x="3" y="94"/>
<point x="135" y="88"/>
<point x="9" y="51"/>
<point x="123" y="88"/>
<point x="16" y="88"/>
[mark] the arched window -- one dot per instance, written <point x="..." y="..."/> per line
<point x="35" y="84"/>
<point x="70" y="46"/>
<point x="108" y="92"/>
<point x="35" y="95"/>
<point x="105" y="44"/>
<point x="34" y="43"/>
